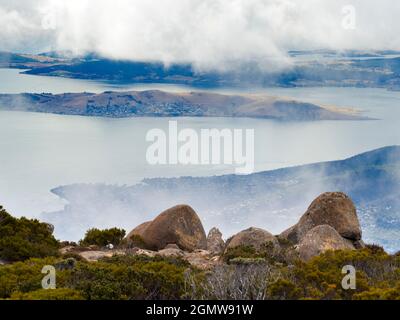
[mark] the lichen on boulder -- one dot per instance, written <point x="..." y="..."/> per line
<point x="335" y="209"/>
<point x="321" y="239"/>
<point x="215" y="243"/>
<point x="178" y="225"/>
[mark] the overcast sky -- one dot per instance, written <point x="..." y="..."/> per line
<point x="207" y="33"/>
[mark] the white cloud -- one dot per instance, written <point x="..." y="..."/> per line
<point x="208" y="33"/>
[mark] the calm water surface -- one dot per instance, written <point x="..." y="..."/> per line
<point x="41" y="151"/>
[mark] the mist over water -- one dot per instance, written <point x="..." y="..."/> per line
<point x="40" y="152"/>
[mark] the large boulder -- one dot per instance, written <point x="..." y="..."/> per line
<point x="254" y="237"/>
<point x="138" y="231"/>
<point x="332" y="208"/>
<point x="179" y="225"/>
<point x="215" y="243"/>
<point x="320" y="239"/>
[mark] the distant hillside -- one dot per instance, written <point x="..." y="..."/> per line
<point x="28" y="61"/>
<point x="351" y="69"/>
<point x="273" y="200"/>
<point x="157" y="103"/>
<point x="318" y="68"/>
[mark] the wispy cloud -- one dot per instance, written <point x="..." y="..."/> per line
<point x="207" y="33"/>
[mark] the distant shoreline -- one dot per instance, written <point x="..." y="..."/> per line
<point x="378" y="69"/>
<point x="157" y="103"/>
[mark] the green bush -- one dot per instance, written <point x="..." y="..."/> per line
<point x="129" y="277"/>
<point x="103" y="238"/>
<point x="377" y="273"/>
<point x="321" y="277"/>
<point x="21" y="239"/>
<point x="244" y="252"/>
<point x="268" y="252"/>
<point x="379" y="294"/>
<point x="284" y="289"/>
<point x="116" y="278"/>
<point x="143" y="277"/>
<point x="27" y="276"/>
<point x="56" y="294"/>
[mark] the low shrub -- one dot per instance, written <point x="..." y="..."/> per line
<point x="103" y="238"/>
<point x="130" y="277"/>
<point x="21" y="239"/>
<point x="53" y="294"/>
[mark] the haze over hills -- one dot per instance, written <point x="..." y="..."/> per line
<point x="273" y="200"/>
<point x="378" y="69"/>
<point x="155" y="103"/>
<point x="29" y="61"/>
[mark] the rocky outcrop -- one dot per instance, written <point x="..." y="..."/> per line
<point x="254" y="237"/>
<point x="202" y="259"/>
<point x="332" y="208"/>
<point x="95" y="255"/>
<point x="138" y="231"/>
<point x="179" y="225"/>
<point x="359" y="244"/>
<point x="171" y="250"/>
<point x="320" y="239"/>
<point x="215" y="243"/>
<point x="330" y="223"/>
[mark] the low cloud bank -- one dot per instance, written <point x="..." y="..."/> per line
<point x="210" y="34"/>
